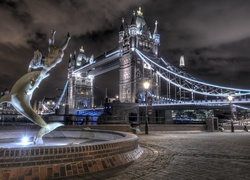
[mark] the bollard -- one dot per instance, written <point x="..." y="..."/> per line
<point x="232" y="126"/>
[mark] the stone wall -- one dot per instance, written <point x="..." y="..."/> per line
<point x="152" y="127"/>
<point x="178" y="127"/>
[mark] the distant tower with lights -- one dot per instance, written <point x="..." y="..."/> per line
<point x="182" y="93"/>
<point x="182" y="63"/>
<point x="133" y="71"/>
<point x="80" y="85"/>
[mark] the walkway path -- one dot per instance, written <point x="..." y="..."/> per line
<point x="187" y="155"/>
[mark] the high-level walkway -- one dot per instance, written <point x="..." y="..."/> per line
<point x="186" y="155"/>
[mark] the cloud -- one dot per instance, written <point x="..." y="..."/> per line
<point x="201" y="23"/>
<point x="12" y="31"/>
<point x="25" y="27"/>
<point x="22" y="20"/>
<point x="213" y="35"/>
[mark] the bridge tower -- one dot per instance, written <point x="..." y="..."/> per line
<point x="133" y="71"/>
<point x="80" y="84"/>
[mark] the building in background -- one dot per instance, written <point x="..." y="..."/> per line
<point x="7" y="112"/>
<point x="182" y="94"/>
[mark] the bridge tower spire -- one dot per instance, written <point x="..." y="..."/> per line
<point x="156" y="37"/>
<point x="121" y="35"/>
<point x="133" y="30"/>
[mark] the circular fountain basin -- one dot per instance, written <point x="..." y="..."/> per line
<point x="66" y="152"/>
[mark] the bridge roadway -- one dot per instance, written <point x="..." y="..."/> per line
<point x="104" y="63"/>
<point x="243" y="103"/>
<point x="186" y="155"/>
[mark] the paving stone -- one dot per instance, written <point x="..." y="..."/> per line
<point x="186" y="155"/>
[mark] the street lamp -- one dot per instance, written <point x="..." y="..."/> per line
<point x="230" y="98"/>
<point x="146" y="86"/>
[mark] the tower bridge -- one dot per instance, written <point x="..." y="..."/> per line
<point x="137" y="58"/>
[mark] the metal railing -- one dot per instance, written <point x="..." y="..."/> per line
<point x="86" y="120"/>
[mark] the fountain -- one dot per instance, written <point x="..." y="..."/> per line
<point x="68" y="151"/>
<point x="56" y="151"/>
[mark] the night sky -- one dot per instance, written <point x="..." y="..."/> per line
<point x="214" y="37"/>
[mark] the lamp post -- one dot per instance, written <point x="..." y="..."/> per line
<point x="146" y="86"/>
<point x="230" y="98"/>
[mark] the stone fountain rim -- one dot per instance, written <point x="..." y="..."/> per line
<point x="125" y="136"/>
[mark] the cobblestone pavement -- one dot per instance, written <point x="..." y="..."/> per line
<point x="187" y="155"/>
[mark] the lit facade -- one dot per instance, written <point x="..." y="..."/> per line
<point x="80" y="83"/>
<point x="133" y="71"/>
<point x="7" y="111"/>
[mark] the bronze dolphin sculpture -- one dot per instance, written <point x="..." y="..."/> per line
<point x="22" y="91"/>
